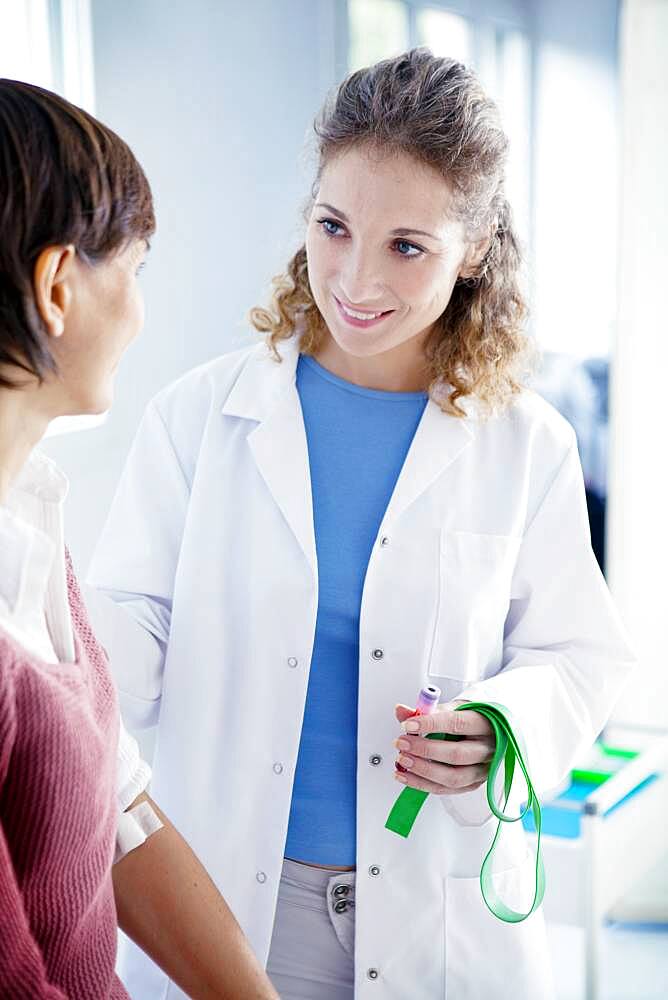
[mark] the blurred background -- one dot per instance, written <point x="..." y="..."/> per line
<point x="217" y="99"/>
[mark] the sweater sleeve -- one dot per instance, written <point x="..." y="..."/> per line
<point x="22" y="971"/>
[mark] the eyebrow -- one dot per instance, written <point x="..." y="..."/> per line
<point x="395" y="232"/>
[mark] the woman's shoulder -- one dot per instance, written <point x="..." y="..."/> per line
<point x="531" y="409"/>
<point x="531" y="423"/>
<point x="205" y="387"/>
<point x="214" y="378"/>
<point x="242" y="383"/>
<point x="529" y="441"/>
<point x="177" y="419"/>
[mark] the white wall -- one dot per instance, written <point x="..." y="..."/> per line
<point x="216" y="98"/>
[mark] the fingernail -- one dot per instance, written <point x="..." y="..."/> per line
<point x="411" y="726"/>
<point x="402" y="744"/>
<point x="406" y="761"/>
<point x="398" y="776"/>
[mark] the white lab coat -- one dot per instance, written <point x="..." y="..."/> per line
<point x="486" y="586"/>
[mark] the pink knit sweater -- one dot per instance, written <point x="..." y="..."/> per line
<point x="58" y="736"/>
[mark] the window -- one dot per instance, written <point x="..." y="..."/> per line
<point x="25" y="42"/>
<point x="378" y="30"/>
<point x="446" y="34"/>
<point x="49" y="43"/>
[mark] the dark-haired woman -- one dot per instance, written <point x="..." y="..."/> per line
<point x="368" y="501"/>
<point x="75" y="217"/>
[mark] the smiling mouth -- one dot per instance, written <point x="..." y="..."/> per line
<point x="359" y="318"/>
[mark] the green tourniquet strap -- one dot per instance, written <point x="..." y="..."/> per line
<point x="507" y="751"/>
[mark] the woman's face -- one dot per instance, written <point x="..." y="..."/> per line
<point x="384" y="251"/>
<point x="104" y="312"/>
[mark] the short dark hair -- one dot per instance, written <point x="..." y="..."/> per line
<point x="64" y="178"/>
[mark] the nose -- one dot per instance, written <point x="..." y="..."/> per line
<point x="360" y="279"/>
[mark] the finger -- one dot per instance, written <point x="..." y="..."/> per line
<point x="448" y="720"/>
<point x="403" y="712"/>
<point x="410" y="780"/>
<point x="445" y="774"/>
<point x="476" y="750"/>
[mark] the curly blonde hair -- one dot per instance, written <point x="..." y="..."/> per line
<point x="435" y="110"/>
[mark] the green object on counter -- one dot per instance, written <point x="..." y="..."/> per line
<point x="603" y="761"/>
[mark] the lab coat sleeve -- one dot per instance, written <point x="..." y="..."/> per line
<point x="131" y="576"/>
<point x="566" y="655"/>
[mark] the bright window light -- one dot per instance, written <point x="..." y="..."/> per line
<point x="379" y="29"/>
<point x="77" y="53"/>
<point x="446" y="34"/>
<point x="25" y="42"/>
<point x="49" y="43"/>
<point x="513" y="99"/>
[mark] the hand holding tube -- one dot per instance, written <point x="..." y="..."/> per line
<point x="508" y="751"/>
<point x="444" y="766"/>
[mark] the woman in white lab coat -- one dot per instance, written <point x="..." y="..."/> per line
<point x="309" y="530"/>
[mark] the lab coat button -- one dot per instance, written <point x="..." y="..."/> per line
<point x="340" y="890"/>
<point x="372" y="973"/>
<point x="278" y="768"/>
<point x="374" y="870"/>
<point x="375" y="759"/>
<point x="341" y="906"/>
<point x="261" y="877"/>
<point x="293" y="661"/>
<point x="378" y="654"/>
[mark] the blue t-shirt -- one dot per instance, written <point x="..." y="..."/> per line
<point x="358" y="440"/>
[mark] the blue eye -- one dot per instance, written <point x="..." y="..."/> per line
<point x="404" y="249"/>
<point x="327" y="223"/>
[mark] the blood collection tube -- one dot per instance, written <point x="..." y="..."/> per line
<point x="427" y="703"/>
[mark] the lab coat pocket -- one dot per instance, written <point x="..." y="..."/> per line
<point x="475" y="579"/>
<point x="485" y="957"/>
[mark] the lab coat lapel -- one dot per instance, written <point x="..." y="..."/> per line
<point x="280" y="451"/>
<point x="438" y="441"/>
<point x="266" y="392"/>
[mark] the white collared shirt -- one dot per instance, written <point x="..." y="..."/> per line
<point x="34" y="610"/>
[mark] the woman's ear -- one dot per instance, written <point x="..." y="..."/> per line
<point x="474" y="257"/>
<point x="52" y="286"/>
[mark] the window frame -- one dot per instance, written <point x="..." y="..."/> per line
<point x="72" y="51"/>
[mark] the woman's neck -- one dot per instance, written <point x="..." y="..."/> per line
<point x="22" y="427"/>
<point x="402" y="369"/>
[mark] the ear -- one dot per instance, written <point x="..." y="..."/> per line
<point x="473" y="258"/>
<point x="52" y="286"/>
